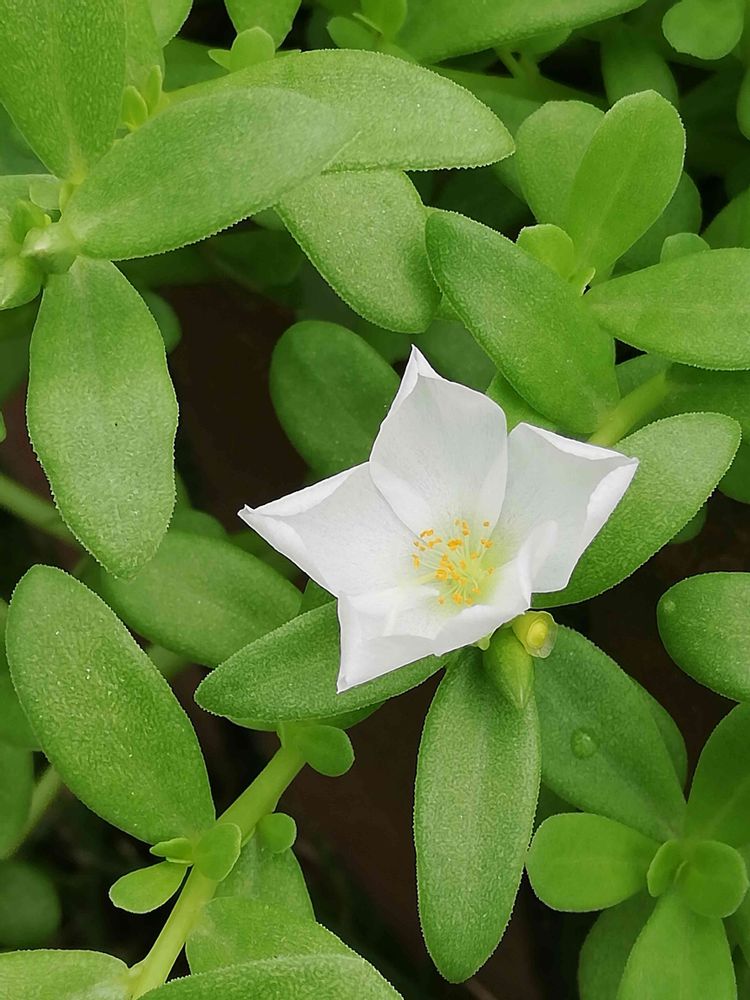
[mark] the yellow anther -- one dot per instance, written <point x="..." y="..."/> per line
<point x="486" y="524"/>
<point x="415" y="560"/>
<point x="459" y="569"/>
<point x="426" y="533"/>
<point x="453" y="543"/>
<point x="457" y="598"/>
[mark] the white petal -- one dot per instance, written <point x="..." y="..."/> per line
<point x="441" y="452"/>
<point x="385" y="630"/>
<point x="340" y="531"/>
<point x="574" y="485"/>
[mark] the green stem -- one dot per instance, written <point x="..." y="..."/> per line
<point x="32" y="509"/>
<point x="255" y="802"/>
<point x="42" y="797"/>
<point x="631" y="410"/>
<point x="44" y="793"/>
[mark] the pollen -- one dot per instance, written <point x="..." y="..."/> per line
<point x="460" y="566"/>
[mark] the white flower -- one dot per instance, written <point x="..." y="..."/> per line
<point x="450" y="527"/>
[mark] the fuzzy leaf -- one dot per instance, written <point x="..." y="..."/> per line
<point x="551" y="143"/>
<point x="475" y="798"/>
<point x="331" y="391"/>
<point x="268" y="879"/>
<point x="679" y="955"/>
<point x="681" y="459"/>
<point x="29" y="905"/>
<point x="16" y="786"/>
<point x="233" y="597"/>
<point x="707" y="29"/>
<point x="63" y="975"/>
<point x="719" y="802"/>
<point x="529" y="321"/>
<point x="398" y="109"/>
<point x="641" y="143"/>
<point x="199" y="167"/>
<point x="274" y="16"/>
<point x="580" y="861"/>
<point x="62" y="76"/>
<point x="105" y="717"/>
<point x="310" y="977"/>
<point x="601" y="750"/>
<point x="108" y="451"/>
<point x="365" y="232"/>
<point x="437" y="29"/>
<point x="237" y="930"/>
<point x="169" y="16"/>
<point x="705" y="627"/>
<point x="607" y="946"/>
<point x="693" y="309"/>
<point x="631" y="63"/>
<point x="327" y="749"/>
<point x="290" y="674"/>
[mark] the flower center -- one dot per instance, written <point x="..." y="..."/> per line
<point x="460" y="562"/>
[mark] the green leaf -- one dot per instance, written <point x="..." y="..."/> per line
<point x="405" y="128"/>
<point x="529" y="321"/>
<point x="680" y="245"/>
<point x="551" y="143"/>
<point x="233" y="597"/>
<point x="327" y="749"/>
<point x="178" y="849"/>
<point x="144" y="62"/>
<point x="199" y="167"/>
<point x="277" y="832"/>
<point x="365" y="232"/>
<point x="169" y="16"/>
<point x="515" y="407"/>
<point x="105" y="717"/>
<point x="475" y="796"/>
<point x="550" y="245"/>
<point x="705" y="626"/>
<point x="601" y="750"/>
<point x="108" y="451"/>
<point x="331" y="391"/>
<point x="713" y="881"/>
<point x="707" y="29"/>
<point x="388" y="15"/>
<point x="679" y="955"/>
<point x="731" y="227"/>
<point x="61" y="78"/>
<point x="269" y="879"/>
<point x="310" y="977"/>
<point x="580" y="861"/>
<point x="669" y="732"/>
<point x="681" y="460"/>
<point x="682" y="214"/>
<point x="664" y="867"/>
<point x="451" y="350"/>
<point x="437" y="29"/>
<point x="719" y="802"/>
<point x="147" y="889"/>
<point x="16" y="786"/>
<point x="736" y="482"/>
<point x="29" y="906"/>
<point x="14" y="726"/>
<point x="274" y="16"/>
<point x="63" y="975"/>
<point x="290" y="674"/>
<point x="607" y="946"/>
<point x="235" y="931"/>
<point x="217" y="851"/>
<point x="641" y="143"/>
<point x="631" y="62"/>
<point x="693" y="309"/>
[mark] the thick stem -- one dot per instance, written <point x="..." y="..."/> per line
<point x="631" y="410"/>
<point x="255" y="802"/>
<point x="33" y="509"/>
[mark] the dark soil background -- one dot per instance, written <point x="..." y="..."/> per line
<point x="355" y="832"/>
